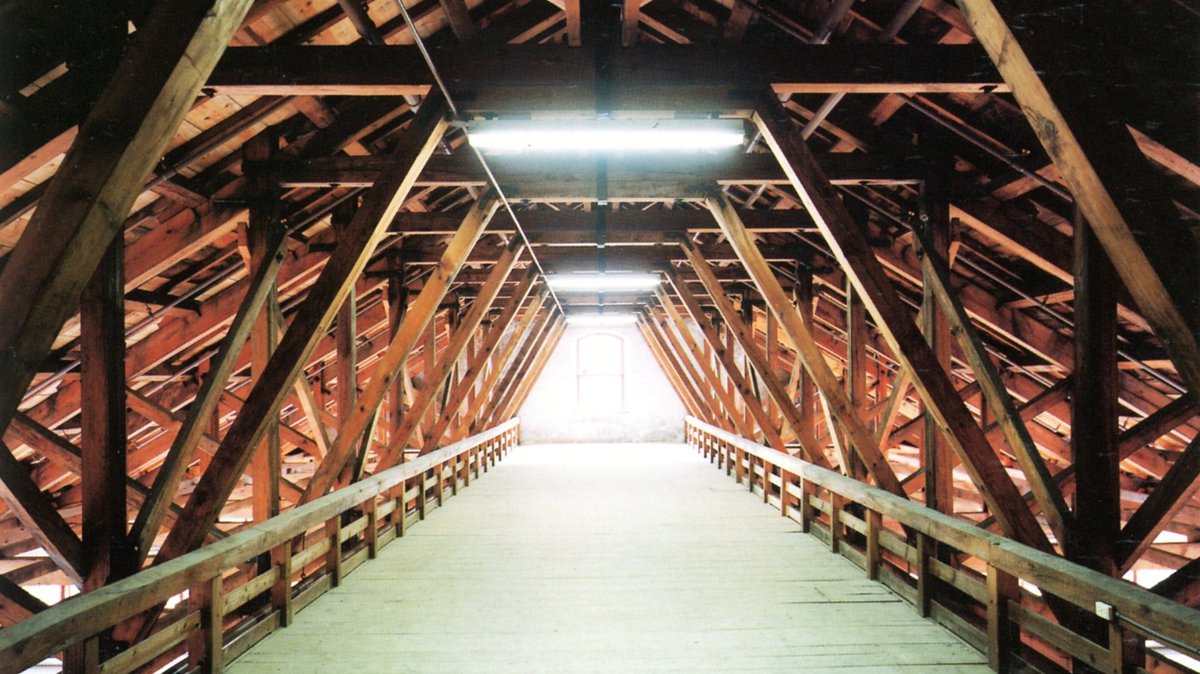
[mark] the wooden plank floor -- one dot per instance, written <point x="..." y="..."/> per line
<point x="608" y="558"/>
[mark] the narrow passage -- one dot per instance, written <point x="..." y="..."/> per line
<point x="608" y="558"/>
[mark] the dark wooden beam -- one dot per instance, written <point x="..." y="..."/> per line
<point x="459" y="18"/>
<point x="439" y="376"/>
<point x="1173" y="493"/>
<point x="418" y="317"/>
<point x="36" y="512"/>
<point x="1183" y="585"/>
<point x="16" y="604"/>
<point x="895" y="323"/>
<point x="345" y="265"/>
<point x="84" y="207"/>
<point x="108" y="552"/>
<point x="647" y="77"/>
<point x="263" y="234"/>
<point x="477" y="359"/>
<point x="1160" y="276"/>
<point x="1094" y="407"/>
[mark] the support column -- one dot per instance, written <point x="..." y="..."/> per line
<point x="262" y="234"/>
<point x="937" y="458"/>
<point x="1094" y="406"/>
<point x="107" y="552"/>
<point x="345" y="335"/>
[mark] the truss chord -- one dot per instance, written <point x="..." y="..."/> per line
<point x="437" y="78"/>
<point x="1035" y="301"/>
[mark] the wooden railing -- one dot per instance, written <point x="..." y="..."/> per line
<point x="985" y="588"/>
<point x="243" y="587"/>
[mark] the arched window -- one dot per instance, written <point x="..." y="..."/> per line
<point x="600" y="368"/>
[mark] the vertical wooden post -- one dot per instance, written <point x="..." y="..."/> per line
<point x="372" y="531"/>
<point x="440" y="472"/>
<point x="1126" y="650"/>
<point x="206" y="645"/>
<point x="421" y="498"/>
<point x="937" y="457"/>
<point x="281" y="590"/>
<point x="836" y="501"/>
<point x="856" y="366"/>
<point x="1002" y="641"/>
<point x="874" y="524"/>
<point x="924" y="580"/>
<point x="402" y="506"/>
<point x="333" y="559"/>
<point x="1094" y="408"/>
<point x="785" y="479"/>
<point x="107" y="553"/>
<point x="397" y="306"/>
<point x="261" y="244"/>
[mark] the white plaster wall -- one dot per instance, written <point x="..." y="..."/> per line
<point x="652" y="411"/>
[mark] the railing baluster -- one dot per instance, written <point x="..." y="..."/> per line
<point x="785" y="479"/>
<point x="836" y="502"/>
<point x="421" y="498"/>
<point x="924" y="580"/>
<point x="806" y="514"/>
<point x="281" y="590"/>
<point x="1002" y="640"/>
<point x="874" y="523"/>
<point x="205" y="646"/>
<point x="333" y="558"/>
<point x="372" y="532"/>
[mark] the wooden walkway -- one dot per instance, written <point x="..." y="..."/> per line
<point x="608" y="558"/>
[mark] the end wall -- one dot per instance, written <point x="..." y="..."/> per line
<point x="651" y="412"/>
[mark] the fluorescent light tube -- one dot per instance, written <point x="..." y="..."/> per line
<point x="600" y="320"/>
<point x="604" y="135"/>
<point x="602" y="282"/>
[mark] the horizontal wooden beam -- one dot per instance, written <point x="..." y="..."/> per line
<point x="528" y="176"/>
<point x="643" y="78"/>
<point x="623" y="222"/>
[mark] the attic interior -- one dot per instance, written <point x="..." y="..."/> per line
<point x="263" y="258"/>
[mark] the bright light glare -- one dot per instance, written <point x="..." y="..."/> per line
<point x="594" y="283"/>
<point x="600" y="320"/>
<point x="605" y="135"/>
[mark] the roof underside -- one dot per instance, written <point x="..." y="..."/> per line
<point x="899" y="104"/>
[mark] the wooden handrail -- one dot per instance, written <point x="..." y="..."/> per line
<point x="81" y="617"/>
<point x="1126" y="606"/>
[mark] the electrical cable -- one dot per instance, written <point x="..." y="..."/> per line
<point x="487" y="170"/>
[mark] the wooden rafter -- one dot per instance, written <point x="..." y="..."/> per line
<point x="800" y="335"/>
<point x="856" y="257"/>
<point x="440" y="375"/>
<point x="1163" y="305"/>
<point x="725" y="357"/>
<point x="478" y="358"/>
<point x="418" y="316"/>
<point x="1054" y="506"/>
<point x="88" y="198"/>
<point x="745" y="337"/>
<point x="380" y="205"/>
